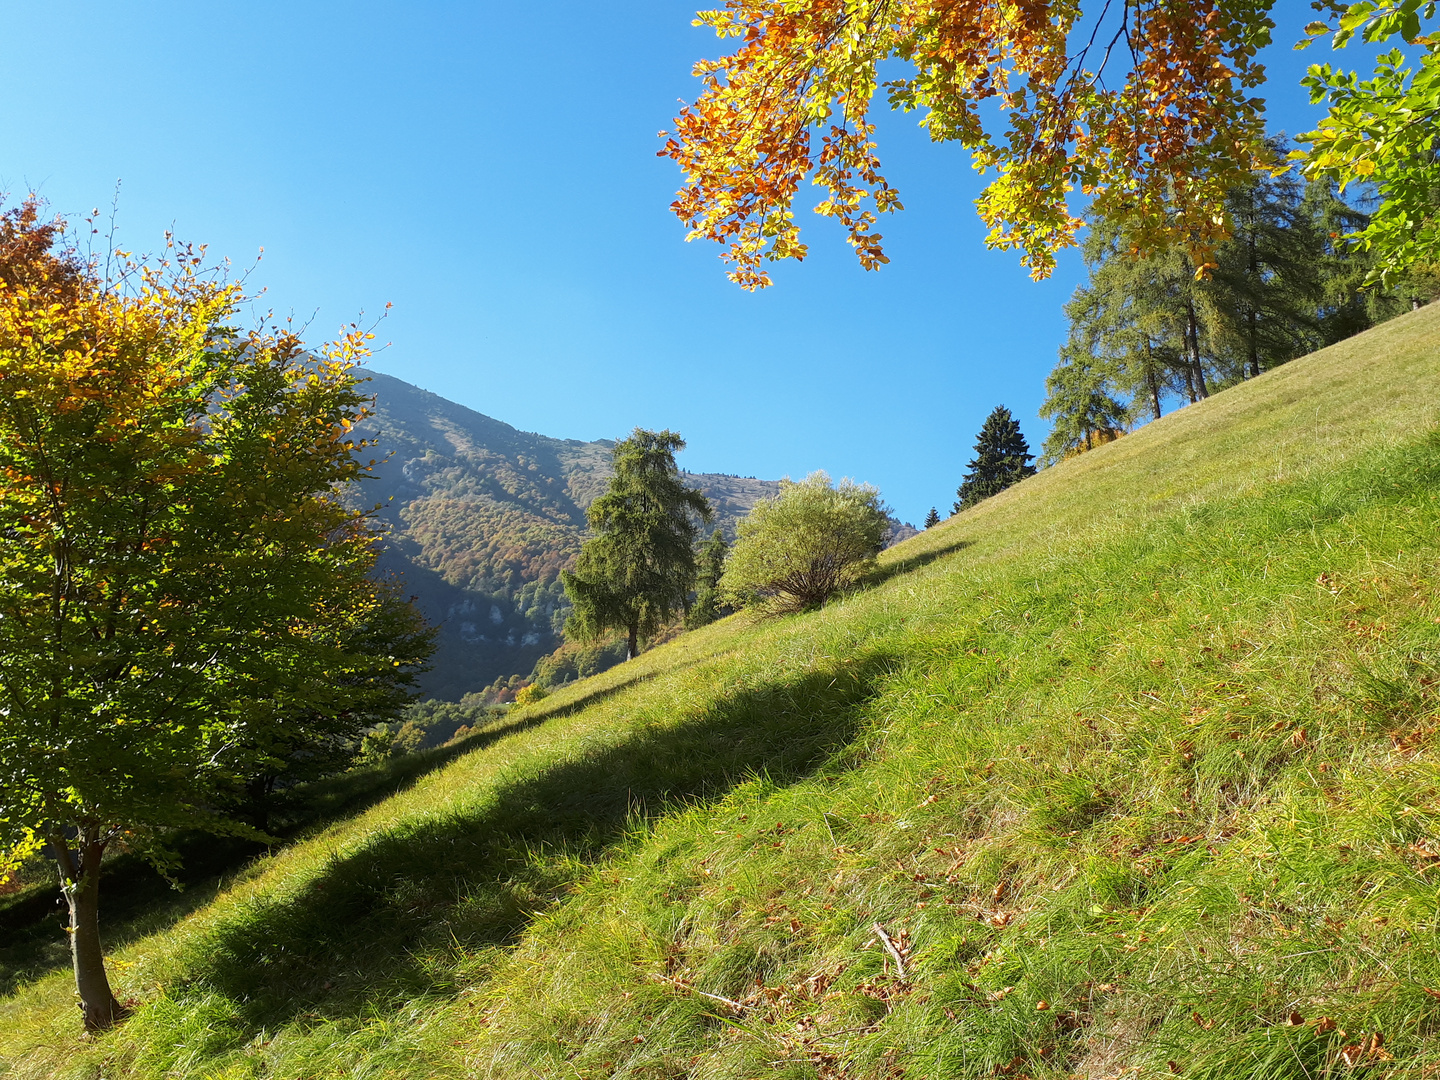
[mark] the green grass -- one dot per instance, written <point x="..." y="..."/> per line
<point x="1134" y="764"/>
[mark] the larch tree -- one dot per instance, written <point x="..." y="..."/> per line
<point x="636" y="572"/>
<point x="178" y="576"/>
<point x="1002" y="458"/>
<point x="709" y="605"/>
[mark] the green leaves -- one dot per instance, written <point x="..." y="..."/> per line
<point x="635" y="574"/>
<point x="1383" y="131"/>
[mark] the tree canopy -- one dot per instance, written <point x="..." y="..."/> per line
<point x="1145" y="329"/>
<point x="1152" y="112"/>
<point x="1157" y="139"/>
<point x="636" y="572"/>
<point x="797" y="549"/>
<point x="178" y="578"/>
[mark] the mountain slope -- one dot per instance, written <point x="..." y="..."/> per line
<point x="482" y="518"/>
<point x="1128" y="771"/>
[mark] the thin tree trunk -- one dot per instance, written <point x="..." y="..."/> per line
<point x="632" y="645"/>
<point x="80" y="882"/>
<point x="1255" y="291"/>
<point x="1192" y="329"/>
<point x="1151" y="381"/>
<point x="1254" y="351"/>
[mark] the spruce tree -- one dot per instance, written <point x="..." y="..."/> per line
<point x="1002" y="457"/>
<point x="932" y="518"/>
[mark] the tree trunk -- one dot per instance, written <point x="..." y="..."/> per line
<point x="1254" y="351"/>
<point x="1255" y="291"/>
<point x="632" y="644"/>
<point x="80" y="882"/>
<point x="1151" y="381"/>
<point x="1192" y="333"/>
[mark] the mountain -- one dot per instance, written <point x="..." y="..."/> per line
<point x="483" y="517"/>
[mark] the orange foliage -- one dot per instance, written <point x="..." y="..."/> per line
<point x="1159" y="148"/>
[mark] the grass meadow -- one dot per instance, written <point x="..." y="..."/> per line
<point x="1128" y="771"/>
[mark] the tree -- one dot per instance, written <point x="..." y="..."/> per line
<point x="1384" y="131"/>
<point x="798" y="548"/>
<point x="177" y="572"/>
<point x="299" y="744"/>
<point x="635" y="574"/>
<point x="1143" y="328"/>
<point x="1002" y="457"/>
<point x="1157" y="144"/>
<point x="708" y="605"/>
<point x="1080" y="404"/>
<point x="932" y="518"/>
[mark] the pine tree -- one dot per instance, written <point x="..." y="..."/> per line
<point x="1002" y="457"/>
<point x="708" y="605"/>
<point x="635" y="574"/>
<point x="932" y="518"/>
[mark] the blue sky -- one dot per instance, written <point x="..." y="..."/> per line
<point x="489" y="168"/>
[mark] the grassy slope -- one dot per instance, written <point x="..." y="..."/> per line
<point x="1133" y="763"/>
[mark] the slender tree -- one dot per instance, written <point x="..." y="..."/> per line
<point x="932" y="518"/>
<point x="709" y="605"/>
<point x="1002" y="457"/>
<point x="637" y="570"/>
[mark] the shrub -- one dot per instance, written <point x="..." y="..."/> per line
<point x="797" y="549"/>
<point x="527" y="694"/>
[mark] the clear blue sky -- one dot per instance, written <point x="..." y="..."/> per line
<point x="489" y="168"/>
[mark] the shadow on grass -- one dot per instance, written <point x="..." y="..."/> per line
<point x="402" y="915"/>
<point x="915" y="562"/>
<point x="136" y="901"/>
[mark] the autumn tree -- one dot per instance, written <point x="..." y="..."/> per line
<point x="178" y="577"/>
<point x="636" y="572"/>
<point x="1002" y="458"/>
<point x="798" y="548"/>
<point x="1151" y="112"/>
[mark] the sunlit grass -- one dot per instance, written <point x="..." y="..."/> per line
<point x="1132" y="764"/>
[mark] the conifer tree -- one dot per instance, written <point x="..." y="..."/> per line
<point x="1002" y="457"/>
<point x="932" y="518"/>
<point x="635" y="574"/>
<point x="708" y="605"/>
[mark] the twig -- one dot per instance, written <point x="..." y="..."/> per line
<point x="737" y="1006"/>
<point x="889" y="944"/>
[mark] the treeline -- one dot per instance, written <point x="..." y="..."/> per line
<point x="1147" y="332"/>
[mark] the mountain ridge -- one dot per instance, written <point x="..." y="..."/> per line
<point x="480" y="519"/>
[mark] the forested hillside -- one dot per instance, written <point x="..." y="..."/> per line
<point x="482" y="520"/>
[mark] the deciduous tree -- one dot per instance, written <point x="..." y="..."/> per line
<point x="1151" y="111"/>
<point x="177" y="572"/>
<point x="1384" y="131"/>
<point x="798" y="548"/>
<point x="636" y="572"/>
